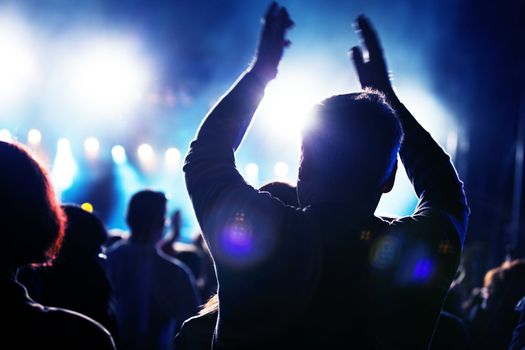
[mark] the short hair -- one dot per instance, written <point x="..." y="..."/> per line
<point x="85" y="233"/>
<point x="282" y="191"/>
<point x="32" y="222"/>
<point x="354" y="141"/>
<point x="146" y="214"/>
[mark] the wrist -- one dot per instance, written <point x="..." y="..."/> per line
<point x="264" y="72"/>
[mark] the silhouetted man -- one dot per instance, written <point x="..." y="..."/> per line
<point x="331" y="275"/>
<point x="153" y="294"/>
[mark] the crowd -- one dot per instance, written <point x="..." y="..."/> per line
<point x="279" y="267"/>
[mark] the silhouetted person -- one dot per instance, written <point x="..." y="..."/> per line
<point x="32" y="229"/>
<point x="197" y="332"/>
<point x="492" y="321"/>
<point x="276" y="265"/>
<point x="518" y="336"/>
<point x="186" y="253"/>
<point x="153" y="294"/>
<point x="450" y="334"/>
<point x="77" y="280"/>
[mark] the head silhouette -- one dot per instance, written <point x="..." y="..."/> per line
<point x="85" y="234"/>
<point x="283" y="191"/>
<point x="351" y="154"/>
<point x="32" y="222"/>
<point x="146" y="216"/>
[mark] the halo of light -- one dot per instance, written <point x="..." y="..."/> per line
<point x="5" y="135"/>
<point x="18" y="61"/>
<point x="107" y="76"/>
<point x="280" y="169"/>
<point x="119" y="154"/>
<point x="172" y="156"/>
<point x="92" y="146"/>
<point x="251" y="169"/>
<point x="145" y="153"/>
<point x="64" y="167"/>
<point x="34" y="136"/>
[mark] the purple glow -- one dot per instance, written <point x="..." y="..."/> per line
<point x="237" y="237"/>
<point x="422" y="270"/>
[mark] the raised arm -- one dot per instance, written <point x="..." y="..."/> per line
<point x="429" y="168"/>
<point x="218" y="192"/>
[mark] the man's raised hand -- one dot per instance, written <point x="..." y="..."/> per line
<point x="272" y="41"/>
<point x="372" y="73"/>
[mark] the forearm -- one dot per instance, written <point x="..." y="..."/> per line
<point x="226" y="124"/>
<point x="430" y="170"/>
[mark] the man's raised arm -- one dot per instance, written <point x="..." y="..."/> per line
<point x="210" y="172"/>
<point x="433" y="176"/>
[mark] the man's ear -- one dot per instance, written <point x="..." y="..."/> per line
<point x="389" y="183"/>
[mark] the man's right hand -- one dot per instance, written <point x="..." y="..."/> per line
<point x="372" y="73"/>
<point x="272" y="42"/>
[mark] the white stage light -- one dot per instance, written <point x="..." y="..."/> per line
<point x="107" y="76"/>
<point x="252" y="170"/>
<point x="145" y="153"/>
<point x="285" y="109"/>
<point x="5" y="135"/>
<point x="280" y="169"/>
<point x="172" y="156"/>
<point x="119" y="154"/>
<point x="34" y="137"/>
<point x="18" y="61"/>
<point x="64" y="167"/>
<point x="91" y="145"/>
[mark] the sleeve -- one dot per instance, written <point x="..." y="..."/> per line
<point x="417" y="259"/>
<point x="188" y="299"/>
<point x="434" y="178"/>
<point x="240" y="224"/>
<point x="249" y="233"/>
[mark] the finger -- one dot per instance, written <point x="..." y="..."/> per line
<point x="357" y="57"/>
<point x="370" y="38"/>
<point x="288" y="23"/>
<point x="282" y="21"/>
<point x="270" y="11"/>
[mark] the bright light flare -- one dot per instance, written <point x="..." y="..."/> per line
<point x="145" y="153"/>
<point x="252" y="170"/>
<point x="286" y="107"/>
<point x="18" y="61"/>
<point x="119" y="154"/>
<point x="107" y="76"/>
<point x="64" y="167"/>
<point x="172" y="157"/>
<point x="34" y="137"/>
<point x="5" y="135"/>
<point x="91" y="146"/>
<point x="280" y="169"/>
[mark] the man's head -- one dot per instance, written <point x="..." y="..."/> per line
<point x="352" y="151"/>
<point x="32" y="222"/>
<point x="146" y="216"/>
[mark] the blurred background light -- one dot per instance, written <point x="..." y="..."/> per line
<point x="87" y="207"/>
<point x="107" y="76"/>
<point x="5" y="135"/>
<point x="172" y="157"/>
<point x="91" y="146"/>
<point x="280" y="169"/>
<point x="145" y="153"/>
<point x="119" y="154"/>
<point x="34" y="137"/>
<point x="18" y="60"/>
<point x="64" y="166"/>
<point x="251" y="169"/>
